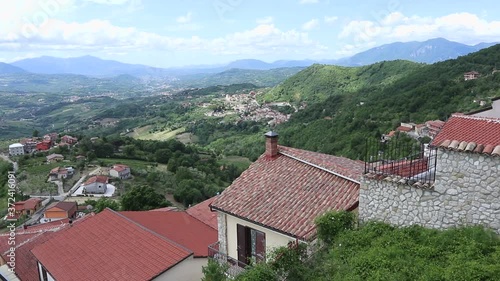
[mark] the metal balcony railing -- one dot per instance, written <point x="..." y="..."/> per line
<point x="233" y="266"/>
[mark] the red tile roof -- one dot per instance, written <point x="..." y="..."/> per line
<point x="120" y="168"/>
<point x="179" y="227"/>
<point x="404" y="129"/>
<point x="470" y="134"/>
<point x="29" y="204"/>
<point x="405" y="168"/>
<point x="26" y="240"/>
<point x="101" y="179"/>
<point x="341" y="165"/>
<point x="108" y="246"/>
<point x="202" y="212"/>
<point x="286" y="194"/>
<point x="66" y="206"/>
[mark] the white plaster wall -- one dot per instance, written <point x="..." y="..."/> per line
<point x="189" y="269"/>
<point x="273" y="239"/>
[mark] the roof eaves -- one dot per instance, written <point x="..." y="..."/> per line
<point x="319" y="167"/>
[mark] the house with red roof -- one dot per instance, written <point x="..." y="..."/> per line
<point x="275" y="201"/>
<point x="61" y="173"/>
<point x="54" y="157"/>
<point x="465" y="186"/>
<point x="26" y="240"/>
<point x="60" y="210"/>
<point x="27" y="207"/>
<point x="43" y="145"/>
<point x="199" y="211"/>
<point x="131" y="246"/>
<point x="96" y="184"/>
<point x="120" y="171"/>
<point x="69" y="140"/>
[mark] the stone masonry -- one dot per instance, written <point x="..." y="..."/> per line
<point x="466" y="192"/>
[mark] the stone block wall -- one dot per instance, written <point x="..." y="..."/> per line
<point x="466" y="192"/>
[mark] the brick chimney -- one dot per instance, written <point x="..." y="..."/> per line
<point x="271" y="145"/>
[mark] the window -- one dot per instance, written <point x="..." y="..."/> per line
<point x="251" y="244"/>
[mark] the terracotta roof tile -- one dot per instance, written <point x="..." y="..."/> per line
<point x="202" y="212"/>
<point x="101" y="179"/>
<point x="66" y="206"/>
<point x="470" y="133"/>
<point x="26" y="240"/>
<point x="108" y="246"/>
<point x="286" y="194"/>
<point x="179" y="227"/>
<point x="344" y="166"/>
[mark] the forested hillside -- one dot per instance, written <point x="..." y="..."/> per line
<point x="344" y="120"/>
<point x="318" y="82"/>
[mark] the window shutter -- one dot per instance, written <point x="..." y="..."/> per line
<point x="260" y="246"/>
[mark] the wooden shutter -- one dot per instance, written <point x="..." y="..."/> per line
<point x="242" y="243"/>
<point x="260" y="246"/>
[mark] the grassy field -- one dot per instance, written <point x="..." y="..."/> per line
<point x="132" y="163"/>
<point x="187" y="138"/>
<point x="238" y="161"/>
<point x="143" y="133"/>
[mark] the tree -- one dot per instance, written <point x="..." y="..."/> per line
<point x="36" y="133"/>
<point x="102" y="203"/>
<point x="143" y="198"/>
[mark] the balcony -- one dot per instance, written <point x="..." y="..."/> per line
<point x="234" y="267"/>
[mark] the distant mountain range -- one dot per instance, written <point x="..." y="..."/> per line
<point x="430" y="51"/>
<point x="6" y="68"/>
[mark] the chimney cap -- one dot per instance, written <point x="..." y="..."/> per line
<point x="271" y="134"/>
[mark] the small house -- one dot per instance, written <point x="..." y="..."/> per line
<point x="54" y="158"/>
<point x="60" y="210"/>
<point x="96" y="185"/>
<point x="120" y="171"/>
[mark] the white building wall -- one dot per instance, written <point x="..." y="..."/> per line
<point x="16" y="149"/>
<point x="189" y="269"/>
<point x="273" y="239"/>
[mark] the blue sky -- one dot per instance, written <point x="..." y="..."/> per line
<point x="193" y="32"/>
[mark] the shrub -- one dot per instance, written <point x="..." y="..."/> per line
<point x="332" y="223"/>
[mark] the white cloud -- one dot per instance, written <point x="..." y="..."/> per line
<point x="330" y="20"/>
<point x="185" y="19"/>
<point x="309" y="1"/>
<point x="266" y="20"/>
<point x="102" y="36"/>
<point x="111" y="2"/>
<point x="462" y="27"/>
<point x="310" y="24"/>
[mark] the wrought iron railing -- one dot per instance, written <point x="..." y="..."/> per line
<point x="233" y="267"/>
<point x="409" y="163"/>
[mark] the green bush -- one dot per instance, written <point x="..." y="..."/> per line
<point x="214" y="271"/>
<point x="332" y="223"/>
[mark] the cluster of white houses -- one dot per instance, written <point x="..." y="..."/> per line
<point x="273" y="203"/>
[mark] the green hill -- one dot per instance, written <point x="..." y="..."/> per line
<point x="342" y="122"/>
<point x="318" y="82"/>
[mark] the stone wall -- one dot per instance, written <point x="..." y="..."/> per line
<point x="466" y="192"/>
<point x="222" y="232"/>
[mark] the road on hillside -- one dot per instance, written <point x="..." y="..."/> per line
<point x="6" y="158"/>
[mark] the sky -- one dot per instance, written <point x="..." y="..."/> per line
<point x="166" y="33"/>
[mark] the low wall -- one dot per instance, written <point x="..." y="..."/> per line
<point x="466" y="192"/>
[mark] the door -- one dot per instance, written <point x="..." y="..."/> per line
<point x="242" y="242"/>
